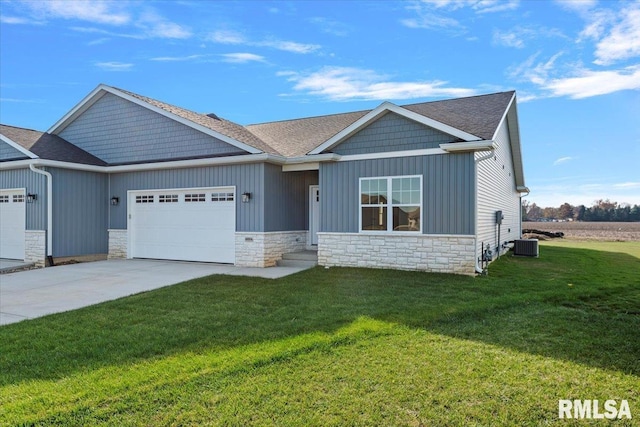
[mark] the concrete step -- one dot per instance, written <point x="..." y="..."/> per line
<point x="306" y="259"/>
<point x="301" y="256"/>
<point x="296" y="263"/>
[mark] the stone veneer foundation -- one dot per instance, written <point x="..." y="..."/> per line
<point x="117" y="244"/>
<point x="35" y="244"/>
<point x="255" y="249"/>
<point x="436" y="253"/>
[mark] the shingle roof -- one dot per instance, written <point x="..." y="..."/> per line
<point x="295" y="138"/>
<point x="478" y="115"/>
<point x="220" y="125"/>
<point x="48" y="146"/>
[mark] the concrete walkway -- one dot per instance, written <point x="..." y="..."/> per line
<point x="34" y="293"/>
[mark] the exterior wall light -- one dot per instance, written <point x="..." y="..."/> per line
<point x="115" y="201"/>
<point x="246" y="197"/>
<point x="31" y="198"/>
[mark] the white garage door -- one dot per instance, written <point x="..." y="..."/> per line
<point x="188" y="225"/>
<point x="12" y="223"/>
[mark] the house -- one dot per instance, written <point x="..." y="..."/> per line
<point x="417" y="187"/>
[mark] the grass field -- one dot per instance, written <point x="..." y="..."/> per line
<point x="341" y="347"/>
<point x="595" y="231"/>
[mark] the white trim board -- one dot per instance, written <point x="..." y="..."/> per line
<point x="18" y="147"/>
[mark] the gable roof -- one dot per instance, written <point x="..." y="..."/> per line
<point x="48" y="146"/>
<point x="223" y="130"/>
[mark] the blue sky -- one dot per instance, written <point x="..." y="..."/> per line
<point x="574" y="64"/>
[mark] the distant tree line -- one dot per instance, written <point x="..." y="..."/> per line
<point x="602" y="210"/>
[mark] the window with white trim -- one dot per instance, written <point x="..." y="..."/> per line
<point x="144" y="199"/>
<point x="199" y="197"/>
<point x="222" y="197"/>
<point x="391" y="204"/>
<point x="168" y="198"/>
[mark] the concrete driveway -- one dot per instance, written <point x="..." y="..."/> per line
<point x="35" y="293"/>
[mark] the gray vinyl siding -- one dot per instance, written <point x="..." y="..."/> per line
<point x="497" y="191"/>
<point x="7" y="152"/>
<point x="80" y="212"/>
<point x="448" y="191"/>
<point x="287" y="205"/>
<point x="118" y="131"/>
<point x="246" y="178"/>
<point x="392" y="132"/>
<point x="35" y="184"/>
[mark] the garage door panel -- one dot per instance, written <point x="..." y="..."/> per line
<point x="190" y="225"/>
<point x="12" y="224"/>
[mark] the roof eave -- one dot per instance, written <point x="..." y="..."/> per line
<point x="18" y="147"/>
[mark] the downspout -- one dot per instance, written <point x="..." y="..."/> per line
<point x="487" y="156"/>
<point x="49" y="211"/>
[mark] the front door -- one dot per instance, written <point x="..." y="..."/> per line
<point x="314" y="213"/>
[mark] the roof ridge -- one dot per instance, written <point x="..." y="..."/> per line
<point x="22" y="128"/>
<point x="311" y="117"/>
<point x="461" y="98"/>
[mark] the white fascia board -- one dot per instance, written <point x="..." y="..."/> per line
<point x="461" y="147"/>
<point x="393" y="154"/>
<point x="18" y="147"/>
<point x="98" y="92"/>
<point x="522" y="189"/>
<point x="382" y="109"/>
<point x="295" y="167"/>
<point x="177" y="164"/>
<point x="504" y="116"/>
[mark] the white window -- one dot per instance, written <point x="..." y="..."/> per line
<point x="168" y="198"/>
<point x="18" y="198"/>
<point x="4" y="198"/>
<point x="391" y="204"/>
<point x="222" y="197"/>
<point x="144" y="199"/>
<point x="201" y="197"/>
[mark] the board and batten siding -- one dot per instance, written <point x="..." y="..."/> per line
<point x="119" y="131"/>
<point x="392" y="132"/>
<point x="286" y="208"/>
<point x="246" y="178"/>
<point x="448" y="191"/>
<point x="7" y="152"/>
<point x="497" y="192"/>
<point x="80" y="213"/>
<point x="35" y="184"/>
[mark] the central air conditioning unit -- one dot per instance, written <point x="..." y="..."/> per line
<point x="526" y="247"/>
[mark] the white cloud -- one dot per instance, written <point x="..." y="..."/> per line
<point x="480" y="6"/>
<point x="177" y="58"/>
<point x="14" y="20"/>
<point x="579" y="192"/>
<point x="623" y="41"/>
<point x="518" y="36"/>
<point x="627" y="185"/>
<point x="331" y="27"/>
<point x="343" y="83"/>
<point x="242" y="58"/>
<point x="236" y="38"/>
<point x="96" y="11"/>
<point x="227" y="37"/>
<point x="155" y="26"/>
<point x="588" y="83"/>
<point x="562" y="160"/>
<point x="114" y="66"/>
<point x="508" y="39"/>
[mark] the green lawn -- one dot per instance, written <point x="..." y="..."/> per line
<point x="340" y="347"/>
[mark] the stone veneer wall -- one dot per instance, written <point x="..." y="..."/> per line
<point x="117" y="244"/>
<point x="436" y="253"/>
<point x="35" y="245"/>
<point x="255" y="249"/>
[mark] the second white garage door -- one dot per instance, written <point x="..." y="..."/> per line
<point x="12" y="223"/>
<point x="187" y="225"/>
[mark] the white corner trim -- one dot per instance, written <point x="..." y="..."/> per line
<point x="18" y="147"/>
<point x="383" y="109"/>
<point x="98" y="92"/>
<point x="461" y="147"/>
